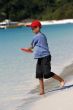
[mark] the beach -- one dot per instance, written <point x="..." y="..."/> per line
<point x="64" y="21"/>
<point x="52" y="22"/>
<point x="19" y="90"/>
<point x="54" y="100"/>
<point x="57" y="101"/>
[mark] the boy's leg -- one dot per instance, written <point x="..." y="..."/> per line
<point x="41" y="86"/>
<point x="59" y="79"/>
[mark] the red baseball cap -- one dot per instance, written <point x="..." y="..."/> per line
<point x="34" y="23"/>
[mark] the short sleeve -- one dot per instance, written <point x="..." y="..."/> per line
<point x="34" y="42"/>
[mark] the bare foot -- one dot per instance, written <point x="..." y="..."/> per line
<point x="42" y="93"/>
<point x="62" y="83"/>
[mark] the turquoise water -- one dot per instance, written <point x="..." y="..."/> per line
<point x="17" y="69"/>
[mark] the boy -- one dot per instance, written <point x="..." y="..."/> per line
<point x="43" y="56"/>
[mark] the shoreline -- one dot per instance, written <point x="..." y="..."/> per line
<point x="52" y="22"/>
<point x="45" y="22"/>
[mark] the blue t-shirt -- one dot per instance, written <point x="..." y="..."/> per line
<point x="40" y="44"/>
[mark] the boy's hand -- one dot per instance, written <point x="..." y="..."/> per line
<point x="30" y="49"/>
<point x="27" y="50"/>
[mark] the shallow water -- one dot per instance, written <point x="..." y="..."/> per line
<point x="17" y="69"/>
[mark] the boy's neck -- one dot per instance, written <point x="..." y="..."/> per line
<point x="38" y="32"/>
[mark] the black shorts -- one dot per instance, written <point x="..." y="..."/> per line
<point x="43" y="68"/>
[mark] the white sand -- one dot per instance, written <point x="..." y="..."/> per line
<point x="62" y="100"/>
<point x="52" y="22"/>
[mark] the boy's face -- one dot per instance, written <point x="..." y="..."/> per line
<point x="36" y="29"/>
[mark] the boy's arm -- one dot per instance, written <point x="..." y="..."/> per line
<point x="33" y="43"/>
